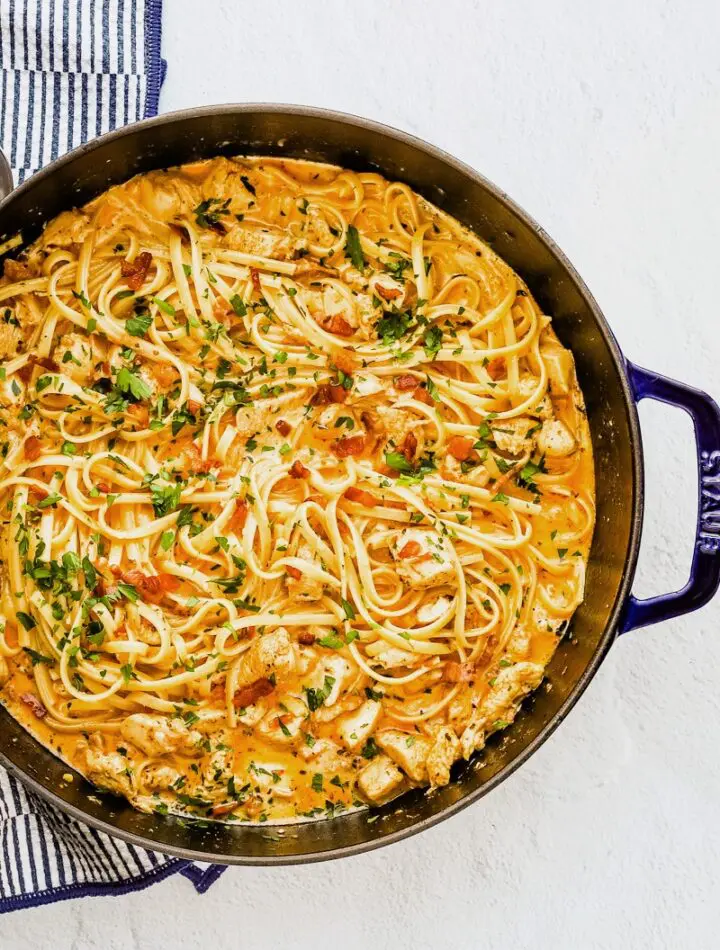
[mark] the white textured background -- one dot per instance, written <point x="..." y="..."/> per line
<point x="603" y="120"/>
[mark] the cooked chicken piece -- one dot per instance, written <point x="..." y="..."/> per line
<point x="270" y="653"/>
<point x="306" y="656"/>
<point x="559" y="364"/>
<point x="388" y="289"/>
<point x="251" y="422"/>
<point x="423" y="558"/>
<point x="272" y="777"/>
<point x="380" y="781"/>
<point x="355" y="729"/>
<point x="70" y="227"/>
<point x="283" y="724"/>
<point x="164" y="196"/>
<point x="341" y="673"/>
<point x="108" y="770"/>
<point x="395" y="424"/>
<point x="159" y="777"/>
<point x="147" y="634"/>
<point x="555" y="439"/>
<point x="501" y="704"/>
<point x="160" y="735"/>
<point x="545" y="621"/>
<point x="10" y="337"/>
<point x="325" y="756"/>
<point x="407" y="750"/>
<point x="304" y="587"/>
<point x="365" y="385"/>
<point x="392" y="657"/>
<point x="327" y="424"/>
<point x="336" y="304"/>
<point x="367" y="316"/>
<point x="433" y="610"/>
<point x="446" y="749"/>
<point x="451" y="469"/>
<point x="527" y="386"/>
<point x="12" y="389"/>
<point x="519" y="643"/>
<point x="16" y="270"/>
<point x="251" y="714"/>
<point x="514" y="436"/>
<point x="318" y="230"/>
<point x="344" y="705"/>
<point x="217" y="773"/>
<point x="261" y="243"/>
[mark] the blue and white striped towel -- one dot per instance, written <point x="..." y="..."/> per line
<point x="70" y="70"/>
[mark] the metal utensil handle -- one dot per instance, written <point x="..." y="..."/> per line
<point x="705" y="568"/>
<point x="6" y="180"/>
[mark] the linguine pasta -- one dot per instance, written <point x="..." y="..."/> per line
<point x="297" y="490"/>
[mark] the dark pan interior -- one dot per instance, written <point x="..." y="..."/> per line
<point x="302" y="133"/>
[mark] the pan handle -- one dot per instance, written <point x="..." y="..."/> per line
<point x="6" y="180"/>
<point x="705" y="568"/>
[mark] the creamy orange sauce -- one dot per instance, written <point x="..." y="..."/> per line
<point x="298" y="490"/>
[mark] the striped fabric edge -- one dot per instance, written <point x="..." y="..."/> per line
<point x="45" y="856"/>
<point x="73" y="69"/>
<point x="32" y="853"/>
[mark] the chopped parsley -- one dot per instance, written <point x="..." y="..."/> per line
<point x="353" y="248"/>
<point x="139" y="324"/>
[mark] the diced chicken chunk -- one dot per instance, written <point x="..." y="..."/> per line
<point x="306" y="587"/>
<point x="514" y="436"/>
<point x="519" y="643"/>
<point x="283" y="724"/>
<point x="555" y="439"/>
<point x="355" y="728"/>
<point x="10" y="337"/>
<point x="159" y="777"/>
<point x="271" y="653"/>
<point x="366" y="385"/>
<point x="395" y="423"/>
<point x="407" y="750"/>
<point x="108" y="770"/>
<point x="380" y="781"/>
<point x="148" y="634"/>
<point x="527" y="387"/>
<point x="325" y="756"/>
<point x="446" y="749"/>
<point x="160" y="735"/>
<point x="328" y="425"/>
<point x="423" y="558"/>
<point x="250" y="422"/>
<point x="79" y="366"/>
<point x="272" y="776"/>
<point x="560" y="366"/>
<point x="12" y="389"/>
<point x="387" y="288"/>
<point x="392" y="657"/>
<point x="545" y="621"/>
<point x="217" y="773"/>
<point x="451" y="469"/>
<point x="339" y="670"/>
<point x="70" y="227"/>
<point x="433" y="610"/>
<point x="460" y="708"/>
<point x="500" y="705"/>
<point x="259" y="242"/>
<point x="367" y="315"/>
